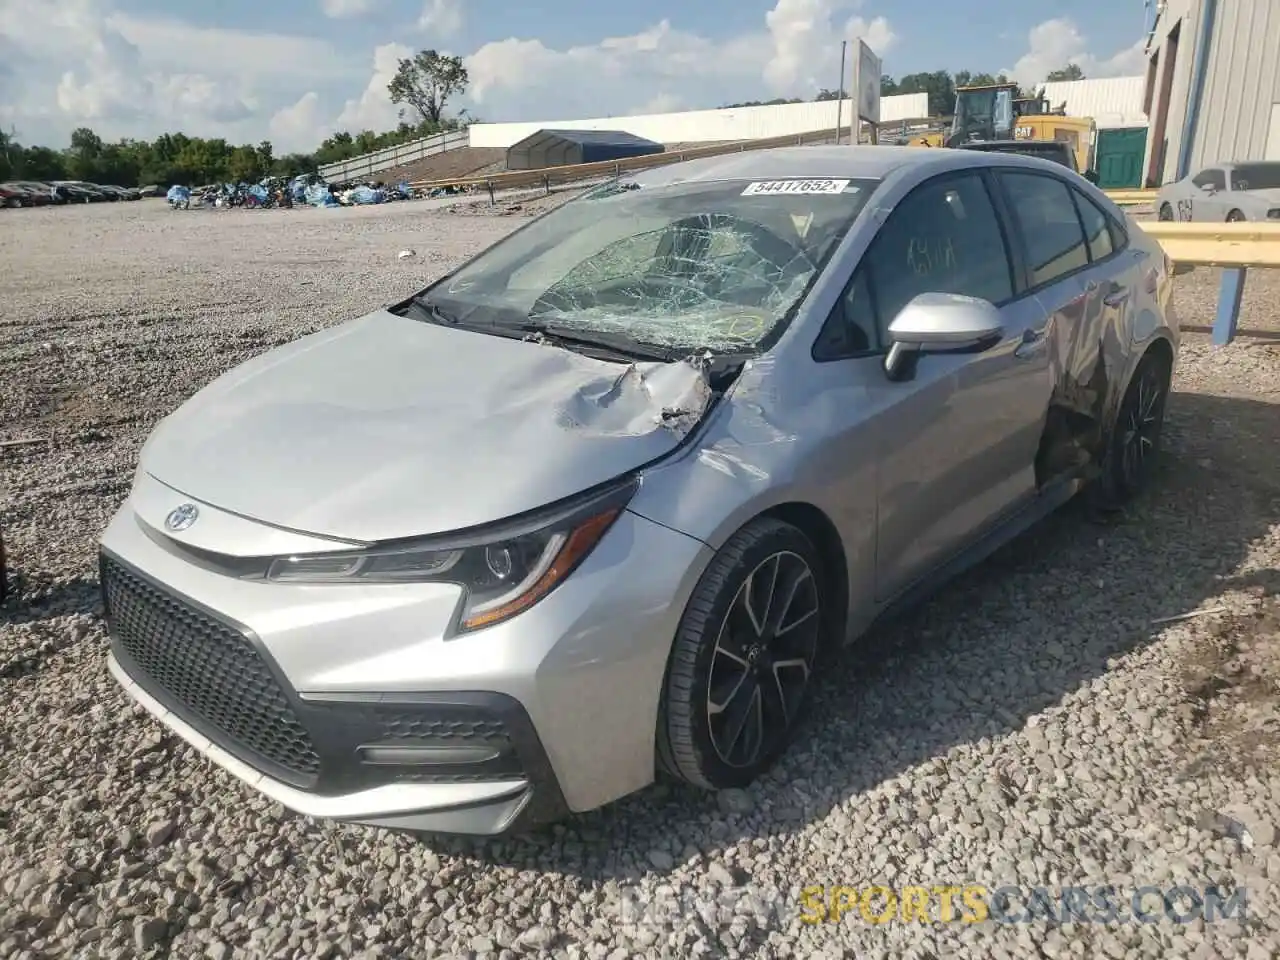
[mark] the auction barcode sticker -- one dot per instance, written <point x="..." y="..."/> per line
<point x="794" y="186"/>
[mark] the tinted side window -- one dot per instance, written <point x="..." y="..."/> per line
<point x="1215" y="177"/>
<point x="944" y="237"/>
<point x="1051" y="231"/>
<point x="1096" y="228"/>
<point x="1119" y="233"/>
<point x="851" y="328"/>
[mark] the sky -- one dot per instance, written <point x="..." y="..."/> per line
<point x="295" y="71"/>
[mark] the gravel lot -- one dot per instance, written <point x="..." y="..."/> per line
<point x="1029" y="726"/>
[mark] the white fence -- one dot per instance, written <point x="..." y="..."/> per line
<point x="371" y="163"/>
<point x="710" y="126"/>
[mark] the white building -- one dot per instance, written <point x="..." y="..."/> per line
<point x="1113" y="102"/>
<point x="712" y="126"/>
<point x="1212" y="86"/>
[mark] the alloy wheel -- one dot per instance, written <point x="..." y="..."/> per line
<point x="1142" y="424"/>
<point x="763" y="659"/>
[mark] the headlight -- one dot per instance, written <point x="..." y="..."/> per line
<point x="503" y="571"/>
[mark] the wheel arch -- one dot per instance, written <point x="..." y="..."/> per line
<point x="1159" y="345"/>
<point x="814" y="523"/>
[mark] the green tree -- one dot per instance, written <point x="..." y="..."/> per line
<point x="427" y="81"/>
<point x="84" y="155"/>
<point x="939" y="86"/>
<point x="1071" y="71"/>
<point x="244" y="165"/>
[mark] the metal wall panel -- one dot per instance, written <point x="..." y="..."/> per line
<point x="1111" y="101"/>
<point x="1184" y="15"/>
<point x="1242" y="83"/>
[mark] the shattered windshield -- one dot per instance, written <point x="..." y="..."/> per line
<point x="716" y="265"/>
<point x="1256" y="176"/>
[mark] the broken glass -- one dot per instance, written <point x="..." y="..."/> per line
<point x="697" y="265"/>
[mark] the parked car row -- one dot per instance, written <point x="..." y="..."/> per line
<point x="36" y="193"/>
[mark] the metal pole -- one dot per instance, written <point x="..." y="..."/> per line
<point x="855" y="85"/>
<point x="840" y="92"/>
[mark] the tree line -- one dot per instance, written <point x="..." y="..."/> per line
<point x="177" y="158"/>
<point x="422" y="87"/>
<point x="940" y="85"/>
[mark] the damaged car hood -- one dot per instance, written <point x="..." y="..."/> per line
<point x="386" y="427"/>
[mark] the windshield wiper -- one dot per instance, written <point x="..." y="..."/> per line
<point x="566" y="335"/>
<point x="434" y="311"/>
<point x="618" y="343"/>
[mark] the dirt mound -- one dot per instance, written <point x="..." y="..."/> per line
<point x="456" y="163"/>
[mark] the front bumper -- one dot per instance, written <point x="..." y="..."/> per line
<point x="478" y="808"/>
<point x="340" y="701"/>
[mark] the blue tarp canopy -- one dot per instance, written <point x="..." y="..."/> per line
<point x="557" y="148"/>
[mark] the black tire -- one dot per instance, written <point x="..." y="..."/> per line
<point x="1134" y="444"/>
<point x="1235" y="216"/>
<point x="1166" y="212"/>
<point x="690" y="745"/>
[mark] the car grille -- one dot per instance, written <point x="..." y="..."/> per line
<point x="208" y="672"/>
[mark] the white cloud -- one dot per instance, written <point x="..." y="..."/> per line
<point x="1053" y="44"/>
<point x="299" y="127"/>
<point x="338" y="9"/>
<point x="662" y="103"/>
<point x="80" y="62"/>
<point x="795" y="53"/>
<point x="374" y="109"/>
<point x="806" y="48"/>
<point x="441" y="17"/>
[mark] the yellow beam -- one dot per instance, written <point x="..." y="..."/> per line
<point x="1131" y="198"/>
<point x="1218" y="244"/>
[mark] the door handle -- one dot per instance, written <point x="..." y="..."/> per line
<point x="1032" y="345"/>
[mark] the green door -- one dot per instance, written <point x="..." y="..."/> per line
<point x="1118" y="157"/>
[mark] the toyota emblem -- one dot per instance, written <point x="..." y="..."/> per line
<point x="180" y="518"/>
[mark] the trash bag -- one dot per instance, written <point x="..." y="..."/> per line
<point x="405" y="191"/>
<point x="179" y="197"/>
<point x="259" y="193"/>
<point x="318" y="195"/>
<point x="363" y="196"/>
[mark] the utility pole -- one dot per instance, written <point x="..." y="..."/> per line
<point x="840" y="93"/>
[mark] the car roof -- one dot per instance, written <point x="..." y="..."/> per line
<point x="995" y="144"/>
<point x="854" y="162"/>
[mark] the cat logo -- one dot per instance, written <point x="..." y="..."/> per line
<point x="1022" y="133"/>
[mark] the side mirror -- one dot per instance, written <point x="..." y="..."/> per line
<point x="1208" y="188"/>
<point x="940" y="323"/>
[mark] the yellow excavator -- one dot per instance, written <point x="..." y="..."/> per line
<point x="994" y="113"/>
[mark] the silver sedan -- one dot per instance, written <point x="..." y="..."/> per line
<point x="596" y="506"/>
